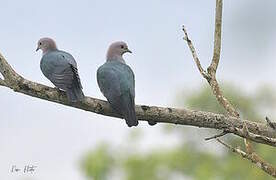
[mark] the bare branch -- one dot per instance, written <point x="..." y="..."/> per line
<point x="145" y="113"/>
<point x="254" y="158"/>
<point x="254" y="137"/>
<point x="7" y="71"/>
<point x="217" y="40"/>
<point x="2" y="82"/>
<point x="211" y="79"/>
<point x="247" y="143"/>
<point x="196" y="59"/>
<point x="246" y="134"/>
<point x="236" y="150"/>
<point x="213" y="68"/>
<point x="215" y="61"/>
<point x="271" y="124"/>
<point x="217" y="135"/>
<point x="221" y="99"/>
<point x="211" y="74"/>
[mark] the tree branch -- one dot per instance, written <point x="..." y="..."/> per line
<point x="211" y="78"/>
<point x="7" y="71"/>
<point x="254" y="158"/>
<point x="217" y="135"/>
<point x="212" y="69"/>
<point x="195" y="57"/>
<point x="217" y="40"/>
<point x="146" y="113"/>
<point x="2" y="82"/>
<point x="244" y="132"/>
<point x="271" y="124"/>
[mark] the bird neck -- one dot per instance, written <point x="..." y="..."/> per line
<point x="115" y="58"/>
<point x="49" y="50"/>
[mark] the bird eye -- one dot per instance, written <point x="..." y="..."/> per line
<point x="40" y="43"/>
<point x="122" y="47"/>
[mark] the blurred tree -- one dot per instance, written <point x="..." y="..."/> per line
<point x="189" y="160"/>
<point x="98" y="163"/>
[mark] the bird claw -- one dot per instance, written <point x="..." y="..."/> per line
<point x="57" y="89"/>
<point x="152" y="123"/>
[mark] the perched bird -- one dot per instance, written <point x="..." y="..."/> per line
<point x="61" y="69"/>
<point x="116" y="81"/>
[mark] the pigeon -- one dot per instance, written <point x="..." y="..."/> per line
<point x="61" y="69"/>
<point x="116" y="81"/>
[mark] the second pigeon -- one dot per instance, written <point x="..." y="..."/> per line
<point x="116" y="81"/>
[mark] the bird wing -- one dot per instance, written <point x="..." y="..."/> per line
<point x="61" y="69"/>
<point x="109" y="82"/>
<point x="129" y="80"/>
<point x="116" y="81"/>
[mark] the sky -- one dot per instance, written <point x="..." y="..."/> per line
<point x="55" y="137"/>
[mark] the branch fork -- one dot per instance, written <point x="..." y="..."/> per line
<point x="210" y="76"/>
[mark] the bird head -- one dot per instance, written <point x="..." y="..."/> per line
<point x="46" y="44"/>
<point x="117" y="49"/>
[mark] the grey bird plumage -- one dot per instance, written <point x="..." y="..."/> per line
<point x="61" y="69"/>
<point x="117" y="83"/>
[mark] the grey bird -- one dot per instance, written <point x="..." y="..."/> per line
<point x="61" y="69"/>
<point x="116" y="81"/>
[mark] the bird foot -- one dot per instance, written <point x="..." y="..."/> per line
<point x="58" y="90"/>
<point x="152" y="123"/>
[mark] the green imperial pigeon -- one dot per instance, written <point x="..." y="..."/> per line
<point x="116" y="81"/>
<point x="61" y="69"/>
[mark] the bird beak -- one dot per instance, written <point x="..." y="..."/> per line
<point x="128" y="51"/>
<point x="37" y="49"/>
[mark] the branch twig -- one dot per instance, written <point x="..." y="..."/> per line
<point x="253" y="157"/>
<point x="256" y="138"/>
<point x="195" y="57"/>
<point x="212" y="69"/>
<point x="210" y="77"/>
<point x="211" y="74"/>
<point x="217" y="135"/>
<point x="271" y="124"/>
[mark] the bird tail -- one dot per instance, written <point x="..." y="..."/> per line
<point x="75" y="94"/>
<point x="129" y="113"/>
